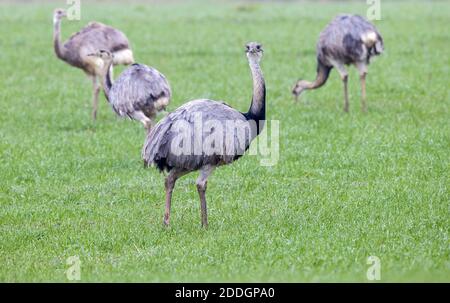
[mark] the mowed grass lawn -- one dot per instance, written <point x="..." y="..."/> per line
<point x="346" y="186"/>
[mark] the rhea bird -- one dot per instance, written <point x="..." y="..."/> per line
<point x="140" y="92"/>
<point x="347" y="39"/>
<point x="161" y="145"/>
<point x="89" y="39"/>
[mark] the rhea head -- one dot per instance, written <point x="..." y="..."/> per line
<point x="299" y="87"/>
<point x="58" y="14"/>
<point x="254" y="51"/>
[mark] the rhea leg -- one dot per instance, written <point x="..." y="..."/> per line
<point x="362" y="69"/>
<point x="140" y="116"/>
<point x="344" y="77"/>
<point x="202" y="182"/>
<point x="95" y="92"/>
<point x="346" y="105"/>
<point x="363" y="91"/>
<point x="170" y="184"/>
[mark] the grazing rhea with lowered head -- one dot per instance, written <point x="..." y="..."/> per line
<point x="140" y="92"/>
<point x="197" y="136"/>
<point x="89" y="39"/>
<point x="346" y="40"/>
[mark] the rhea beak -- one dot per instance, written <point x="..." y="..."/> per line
<point x="295" y="95"/>
<point x="62" y="14"/>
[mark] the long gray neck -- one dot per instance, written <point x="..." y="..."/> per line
<point x="323" y="72"/>
<point x="257" y="109"/>
<point x="107" y="78"/>
<point x="59" y="49"/>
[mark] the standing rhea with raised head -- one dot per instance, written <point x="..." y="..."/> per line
<point x="346" y="40"/>
<point x="191" y="127"/>
<point x="89" y="39"/>
<point x="140" y="92"/>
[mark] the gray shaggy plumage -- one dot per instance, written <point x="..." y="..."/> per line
<point x="203" y="134"/>
<point x="157" y="149"/>
<point x="137" y="89"/>
<point x="342" y="41"/>
<point x="75" y="51"/>
<point x="140" y="92"/>
<point x="91" y="38"/>
<point x="347" y="39"/>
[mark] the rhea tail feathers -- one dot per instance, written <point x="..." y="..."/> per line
<point x="369" y="38"/>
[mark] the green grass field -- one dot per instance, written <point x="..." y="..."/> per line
<point x="346" y="187"/>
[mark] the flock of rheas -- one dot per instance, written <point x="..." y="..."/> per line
<point x="140" y="92"/>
